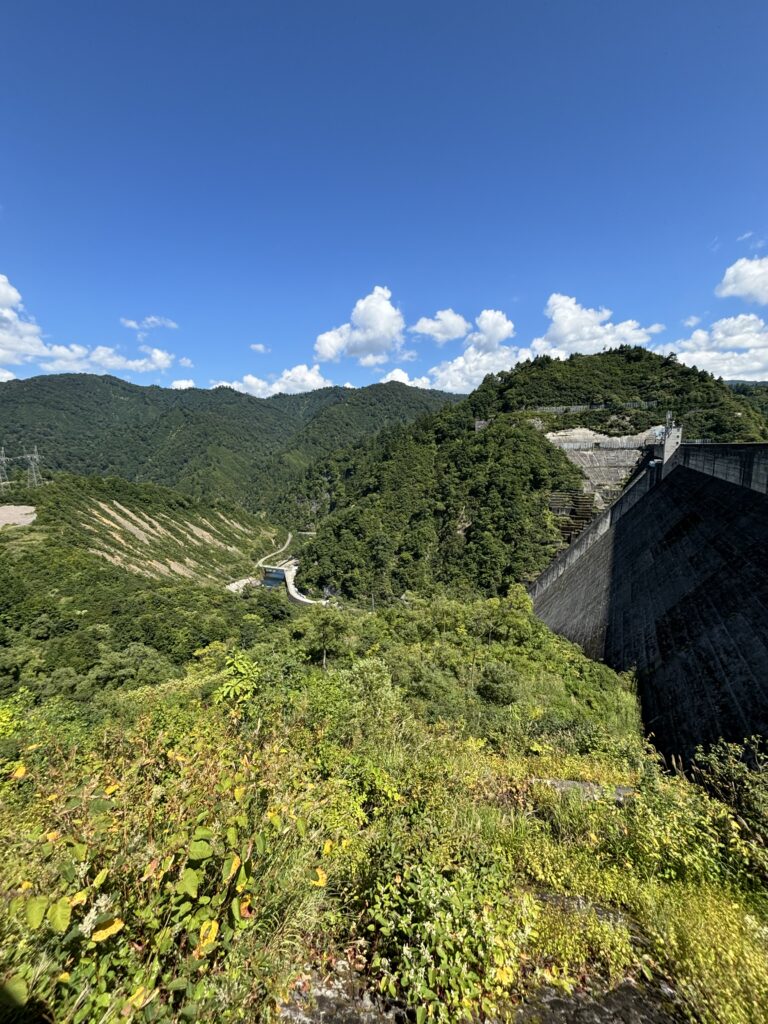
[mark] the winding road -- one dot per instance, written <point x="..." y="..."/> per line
<point x="263" y="561"/>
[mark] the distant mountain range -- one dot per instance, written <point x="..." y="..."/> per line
<point x="207" y="444"/>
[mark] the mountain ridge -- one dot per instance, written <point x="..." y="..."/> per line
<point x="205" y="443"/>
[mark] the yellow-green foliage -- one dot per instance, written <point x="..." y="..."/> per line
<point x="186" y="852"/>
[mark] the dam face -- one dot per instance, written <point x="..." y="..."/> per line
<point x="673" y="581"/>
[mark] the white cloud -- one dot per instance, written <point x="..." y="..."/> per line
<point x="746" y="279"/>
<point x="484" y="353"/>
<point x="493" y="327"/>
<point x="261" y="349"/>
<point x="745" y="236"/>
<point x="374" y="332"/>
<point x="692" y="321"/>
<point x="6" y="375"/>
<point x="21" y="342"/>
<point x="446" y="325"/>
<point x="186" y="362"/>
<point x="149" y="323"/>
<point x="348" y="385"/>
<point x="736" y="346"/>
<point x="182" y="385"/>
<point x="402" y="378"/>
<point x="79" y="359"/>
<point x="576" y="328"/>
<point x="466" y="371"/>
<point x="292" y="381"/>
<point x="10" y="297"/>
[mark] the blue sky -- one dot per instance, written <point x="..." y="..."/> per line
<point x="182" y="181"/>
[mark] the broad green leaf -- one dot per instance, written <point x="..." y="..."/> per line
<point x="59" y="915"/>
<point x="99" y="879"/>
<point x="189" y="882"/>
<point x="14" y="992"/>
<point x="36" y="907"/>
<point x="200" y="850"/>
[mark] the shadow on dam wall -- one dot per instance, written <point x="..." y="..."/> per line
<point x="676" y="586"/>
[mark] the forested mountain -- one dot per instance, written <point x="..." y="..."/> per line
<point x="452" y="500"/>
<point x="205" y="443"/>
<point x="708" y="408"/>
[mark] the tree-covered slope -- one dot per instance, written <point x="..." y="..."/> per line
<point x="436" y="502"/>
<point x="755" y="392"/>
<point x="708" y="408"/>
<point x="452" y="500"/>
<point x="117" y="583"/>
<point x="211" y="444"/>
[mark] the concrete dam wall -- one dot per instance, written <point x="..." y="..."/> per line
<point x="673" y="580"/>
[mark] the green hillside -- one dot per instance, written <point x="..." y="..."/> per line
<point x="459" y="804"/>
<point x="441" y="502"/>
<point x="213" y="444"/>
<point x="756" y="393"/>
<point x="707" y="408"/>
<point x="115" y="583"/>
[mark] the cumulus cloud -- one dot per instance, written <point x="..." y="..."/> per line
<point x="261" y="349"/>
<point x="493" y="327"/>
<point x="692" y="321"/>
<point x="736" y="346"/>
<point x="577" y="328"/>
<point x="374" y="332"/>
<point x="22" y="342"/>
<point x="186" y="362"/>
<point x="446" y="325"/>
<point x="293" y="381"/>
<point x="10" y="297"/>
<point x="402" y="378"/>
<point x="182" y="385"/>
<point x="484" y="353"/>
<point x="79" y="359"/>
<point x="746" y="279"/>
<point x="465" y="372"/>
<point x="6" y="375"/>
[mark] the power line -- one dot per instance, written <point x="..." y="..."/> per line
<point x="32" y="460"/>
<point x="34" y="479"/>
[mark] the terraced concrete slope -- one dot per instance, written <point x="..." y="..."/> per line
<point x="606" y="462"/>
<point x="676" y="585"/>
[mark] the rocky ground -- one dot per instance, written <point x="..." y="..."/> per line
<point x="340" y="997"/>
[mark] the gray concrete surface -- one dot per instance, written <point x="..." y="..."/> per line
<point x="673" y="581"/>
